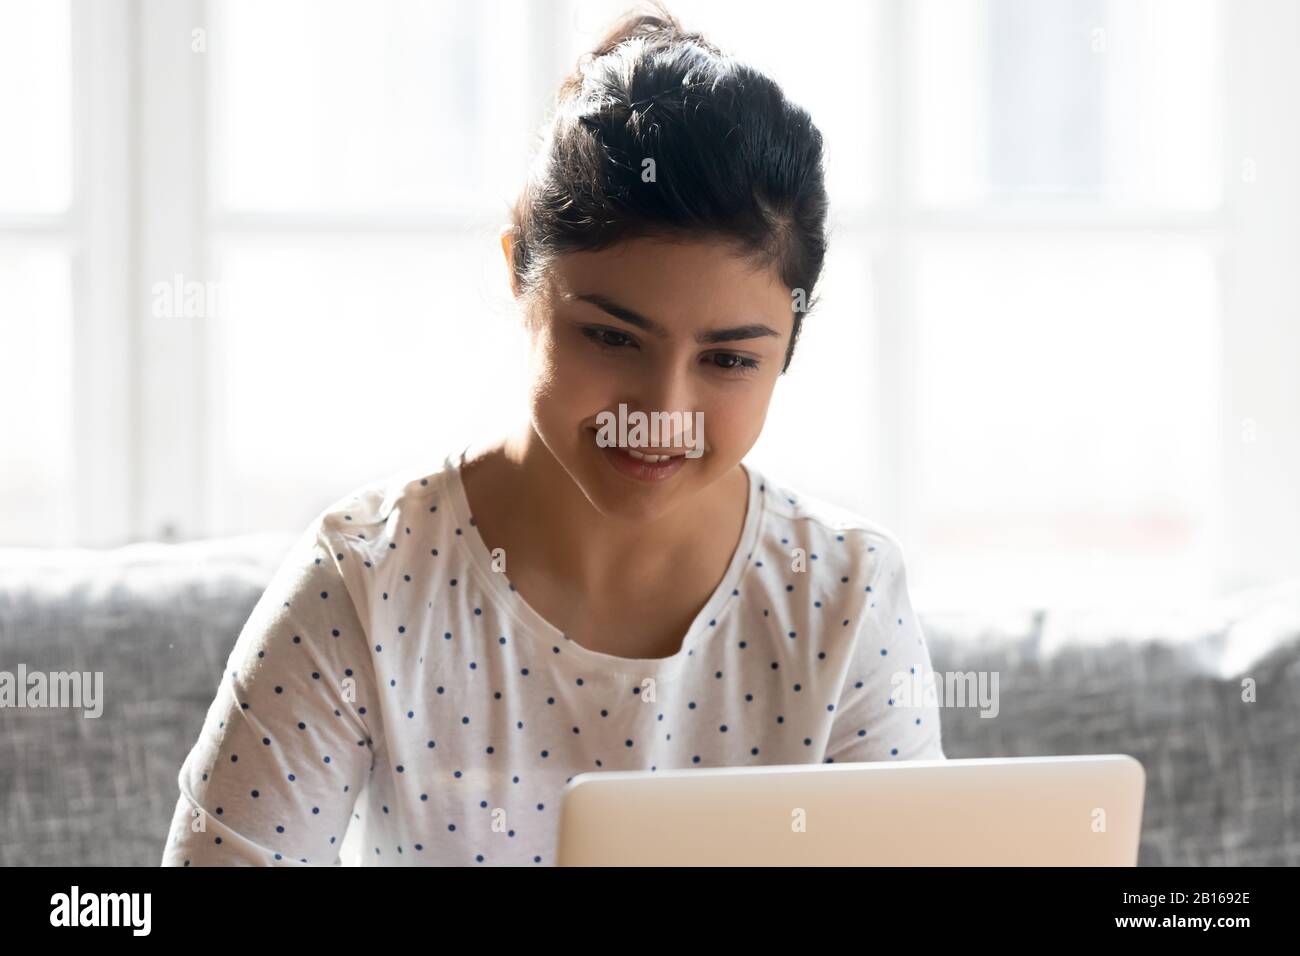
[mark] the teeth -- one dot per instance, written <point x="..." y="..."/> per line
<point x="651" y="459"/>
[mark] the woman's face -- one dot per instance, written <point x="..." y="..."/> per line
<point x="658" y="326"/>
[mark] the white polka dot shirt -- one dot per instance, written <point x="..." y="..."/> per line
<point x="391" y="678"/>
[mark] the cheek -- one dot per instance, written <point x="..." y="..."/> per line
<point x="733" y="421"/>
<point x="565" y="388"/>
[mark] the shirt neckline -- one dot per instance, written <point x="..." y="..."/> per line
<point x="538" y="628"/>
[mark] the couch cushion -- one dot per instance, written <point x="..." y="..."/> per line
<point x="158" y="621"/>
<point x="1222" y="773"/>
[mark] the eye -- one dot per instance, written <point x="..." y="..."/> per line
<point x="731" y="363"/>
<point x="608" y="338"/>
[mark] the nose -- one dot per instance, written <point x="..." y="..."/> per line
<point x="664" y="387"/>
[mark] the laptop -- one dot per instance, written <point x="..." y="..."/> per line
<point x="1003" y="811"/>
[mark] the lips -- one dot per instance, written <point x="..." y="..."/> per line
<point x="648" y="455"/>
<point x="646" y="465"/>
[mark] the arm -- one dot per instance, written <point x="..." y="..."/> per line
<point x="289" y="739"/>
<point x="879" y="716"/>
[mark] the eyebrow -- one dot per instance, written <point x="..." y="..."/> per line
<point x="753" y="330"/>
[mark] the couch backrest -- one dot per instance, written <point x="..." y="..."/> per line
<point x="159" y="622"/>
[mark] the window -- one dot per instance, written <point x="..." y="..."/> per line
<point x="361" y="158"/>
<point x="248" y="252"/>
<point x="1062" y="219"/>
<point x="36" y="230"/>
<point x="63" y="401"/>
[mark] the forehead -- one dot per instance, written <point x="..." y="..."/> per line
<point x="696" y="282"/>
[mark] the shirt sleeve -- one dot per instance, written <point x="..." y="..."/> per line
<point x="290" y="737"/>
<point x="883" y="713"/>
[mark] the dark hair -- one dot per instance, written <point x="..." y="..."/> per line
<point x="732" y="158"/>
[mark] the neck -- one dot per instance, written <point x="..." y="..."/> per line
<point x="550" y="517"/>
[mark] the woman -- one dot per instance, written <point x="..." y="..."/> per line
<point x="453" y="647"/>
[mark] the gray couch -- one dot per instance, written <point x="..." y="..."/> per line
<point x="159" y="620"/>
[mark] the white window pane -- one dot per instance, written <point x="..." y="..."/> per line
<point x="35" y="107"/>
<point x="1067" y="430"/>
<point x="35" y="394"/>
<point x="335" y="362"/>
<point x="1113" y="100"/>
<point x="365" y="106"/>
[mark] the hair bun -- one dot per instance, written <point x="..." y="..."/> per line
<point x="650" y="22"/>
<point x="661" y="24"/>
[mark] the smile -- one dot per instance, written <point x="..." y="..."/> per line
<point x="644" y="466"/>
<point x="650" y="457"/>
<point x="653" y="433"/>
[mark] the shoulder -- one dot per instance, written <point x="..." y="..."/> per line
<point x="794" y="517"/>
<point x="369" y="512"/>
<point x="367" y="536"/>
